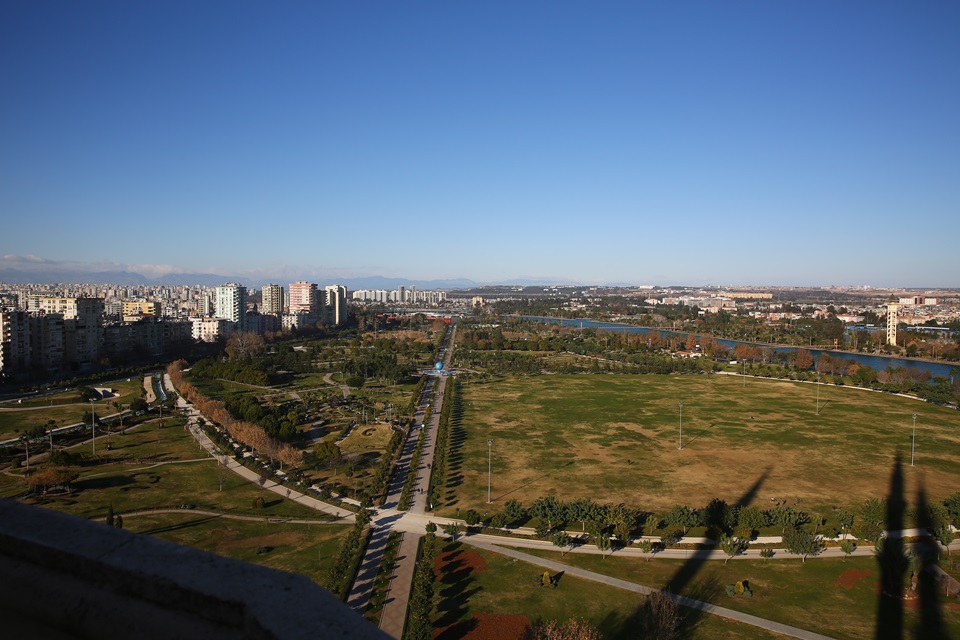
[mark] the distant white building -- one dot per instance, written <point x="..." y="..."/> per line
<point x="231" y="301"/>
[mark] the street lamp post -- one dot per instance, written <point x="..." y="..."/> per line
<point x="818" y="394"/>
<point x="489" y="453"/>
<point x="681" y="425"/>
<point x="93" y="426"/>
<point x="913" y="442"/>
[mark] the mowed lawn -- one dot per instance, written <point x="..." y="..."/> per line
<point x="307" y="549"/>
<point x="472" y="582"/>
<point x="614" y="438"/>
<point x="830" y="596"/>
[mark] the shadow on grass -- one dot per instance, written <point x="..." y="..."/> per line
<point x="535" y="480"/>
<point x="107" y="482"/>
<point x="456" y="589"/>
<point x="682" y="582"/>
<point x="181" y="525"/>
<point x="700" y="433"/>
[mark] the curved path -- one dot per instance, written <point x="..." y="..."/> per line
<point x="227" y="516"/>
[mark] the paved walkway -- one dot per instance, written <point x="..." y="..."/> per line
<point x="362" y="589"/>
<point x="394" y="613"/>
<point x="395" y="608"/>
<point x="706" y="607"/>
<point x="151" y="397"/>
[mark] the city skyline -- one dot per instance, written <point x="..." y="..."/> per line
<point x="746" y="144"/>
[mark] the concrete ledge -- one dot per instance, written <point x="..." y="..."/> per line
<point x="93" y="581"/>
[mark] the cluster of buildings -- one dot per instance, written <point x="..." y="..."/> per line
<point x="44" y="334"/>
<point x="401" y="295"/>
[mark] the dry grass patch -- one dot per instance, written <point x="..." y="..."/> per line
<point x="615" y="439"/>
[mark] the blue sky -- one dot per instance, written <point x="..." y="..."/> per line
<point x="650" y="143"/>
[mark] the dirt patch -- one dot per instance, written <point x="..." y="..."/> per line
<point x="486" y="626"/>
<point x="459" y="560"/>
<point x="851" y="577"/>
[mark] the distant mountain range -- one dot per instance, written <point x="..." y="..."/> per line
<point x="131" y="278"/>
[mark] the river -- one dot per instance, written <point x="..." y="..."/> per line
<point x="878" y="363"/>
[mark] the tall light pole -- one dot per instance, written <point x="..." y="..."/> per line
<point x="93" y="426"/>
<point x="818" y="394"/>
<point x="913" y="442"/>
<point x="489" y="453"/>
<point x="681" y="425"/>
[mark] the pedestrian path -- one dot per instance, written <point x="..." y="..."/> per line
<point x="394" y="614"/>
<point x="362" y="589"/>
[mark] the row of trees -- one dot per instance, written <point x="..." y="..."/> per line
<point x="720" y="519"/>
<point x="247" y="433"/>
<point x="341" y="573"/>
<point x="453" y="406"/>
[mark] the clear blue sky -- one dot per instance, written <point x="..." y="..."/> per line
<point x="735" y="142"/>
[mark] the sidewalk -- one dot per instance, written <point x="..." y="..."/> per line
<point x="394" y="614"/>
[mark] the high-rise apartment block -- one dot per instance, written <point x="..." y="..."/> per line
<point x="336" y="312"/>
<point x="273" y="301"/>
<point x="14" y="342"/>
<point x="303" y="298"/>
<point x="232" y="304"/>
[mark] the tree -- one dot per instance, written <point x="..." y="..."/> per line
<point x="752" y="519"/>
<point x="953" y="508"/>
<point x="870" y="519"/>
<point x="847" y="546"/>
<point x="328" y="453"/>
<point x="138" y="405"/>
<point x="31" y="435"/>
<point x="732" y="546"/>
<point x="802" y="543"/>
<point x="431" y="527"/>
<point x="766" y="554"/>
<point x="514" y="511"/>
<point x="547" y="508"/>
<point x="87" y="394"/>
<point x="683" y="516"/>
<point x="498" y="521"/>
<point x="646" y="547"/>
<point x="846" y="521"/>
<point x="452" y="529"/>
<point x="109" y="519"/>
<point x="804" y="359"/>
<point x="572" y="629"/>
<point x="561" y="540"/>
<point x="244" y="344"/>
<point x="603" y="544"/>
<point x="657" y="617"/>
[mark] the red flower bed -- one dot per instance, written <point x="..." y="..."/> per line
<point x="486" y="626"/>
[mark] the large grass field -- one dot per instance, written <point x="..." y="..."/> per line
<point x="476" y="582"/>
<point x="614" y="438"/>
<point x="308" y="549"/>
<point x="829" y="596"/>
